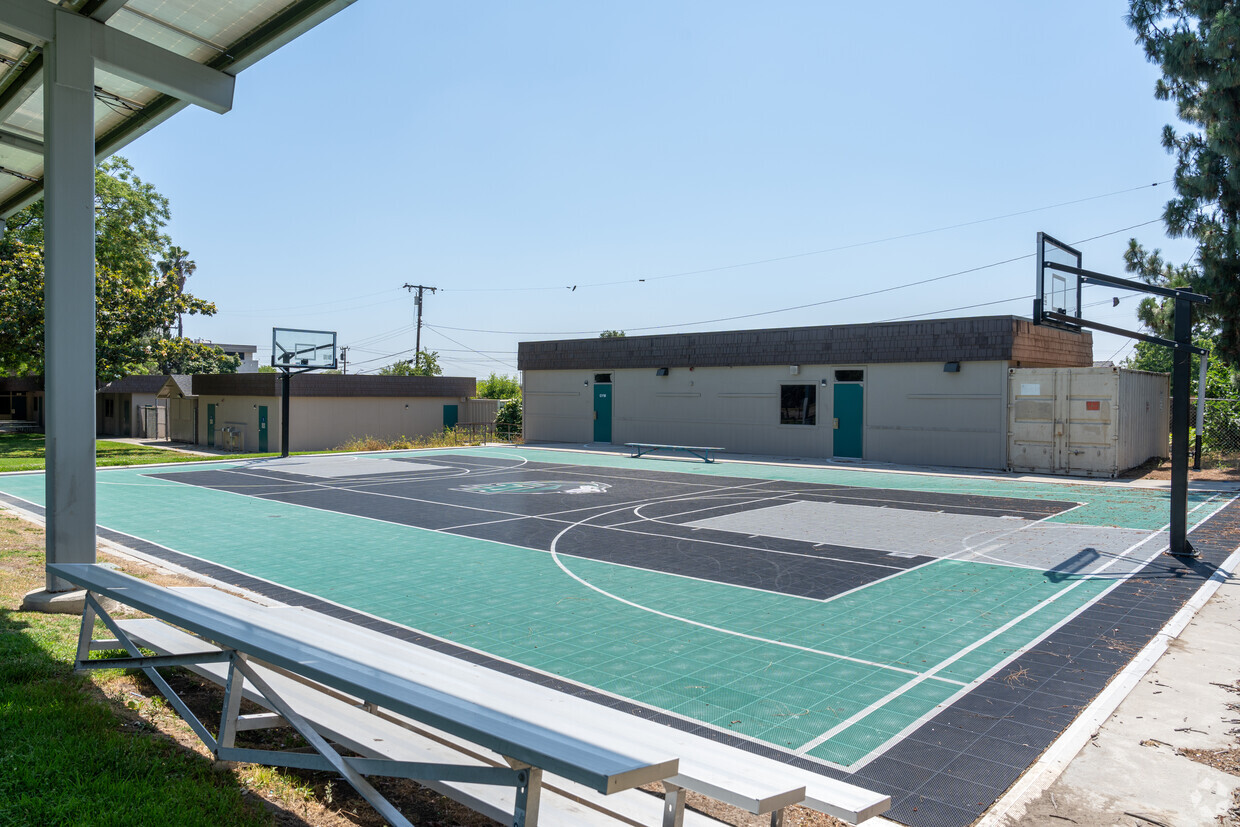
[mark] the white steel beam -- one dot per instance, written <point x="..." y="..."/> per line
<point x="19" y="141"/>
<point x="143" y="62"/>
<point x="69" y="293"/>
<point x="125" y="55"/>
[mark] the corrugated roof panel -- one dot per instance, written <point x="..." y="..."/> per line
<point x="202" y="30"/>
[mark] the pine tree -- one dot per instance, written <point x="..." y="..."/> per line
<point x="1196" y="43"/>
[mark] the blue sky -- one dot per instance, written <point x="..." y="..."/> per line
<point x="739" y="157"/>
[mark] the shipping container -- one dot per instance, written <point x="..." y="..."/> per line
<point x="1088" y="422"/>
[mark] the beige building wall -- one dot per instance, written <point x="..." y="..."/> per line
<point x="913" y="412"/>
<point x="181" y="419"/>
<point x="916" y="413"/>
<point x="323" y="423"/>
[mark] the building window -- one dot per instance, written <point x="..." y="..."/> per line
<point x="108" y="409"/>
<point x="849" y="375"/>
<point x="798" y="404"/>
<point x="602" y="378"/>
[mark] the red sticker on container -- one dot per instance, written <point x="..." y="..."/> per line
<point x="1093" y="406"/>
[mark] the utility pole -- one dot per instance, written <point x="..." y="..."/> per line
<point x="417" y="300"/>
<point x="344" y="360"/>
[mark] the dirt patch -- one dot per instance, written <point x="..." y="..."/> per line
<point x="1160" y="469"/>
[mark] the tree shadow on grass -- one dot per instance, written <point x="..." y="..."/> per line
<point x="67" y="757"/>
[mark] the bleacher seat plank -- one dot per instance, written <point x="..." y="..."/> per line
<point x="315" y="652"/>
<point x="565" y="803"/>
<point x="728" y="774"/>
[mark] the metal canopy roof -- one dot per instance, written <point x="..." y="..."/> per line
<point x="161" y="56"/>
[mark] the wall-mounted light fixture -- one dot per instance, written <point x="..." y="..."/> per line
<point x="824" y="381"/>
<point x="661" y="372"/>
<point x="794" y="369"/>
<point x="951" y="367"/>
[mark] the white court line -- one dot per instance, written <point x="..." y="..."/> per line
<point x="556" y="557"/>
<point x="809" y="745"/>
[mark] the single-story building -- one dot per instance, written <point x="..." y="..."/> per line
<point x="21" y="400"/>
<point x="242" y="411"/>
<point x="923" y="392"/>
<point x="131" y="406"/>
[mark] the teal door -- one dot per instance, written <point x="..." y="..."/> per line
<point x="262" y="429"/>
<point x="848" y="418"/>
<point x="602" y="413"/>
<point x="449" y="416"/>
<point x="210" y="426"/>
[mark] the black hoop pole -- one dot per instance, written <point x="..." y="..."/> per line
<point x="1181" y="369"/>
<point x="284" y="385"/>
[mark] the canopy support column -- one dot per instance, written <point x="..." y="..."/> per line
<point x="69" y="293"/>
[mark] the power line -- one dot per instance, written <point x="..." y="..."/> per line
<point x="792" y="256"/>
<point x="467" y="347"/>
<point x="835" y="300"/>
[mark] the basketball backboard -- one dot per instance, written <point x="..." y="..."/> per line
<point x="303" y="349"/>
<point x="1058" y="292"/>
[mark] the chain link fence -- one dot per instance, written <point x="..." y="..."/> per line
<point x="1220" y="438"/>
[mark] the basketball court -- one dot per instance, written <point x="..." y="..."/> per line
<point x="925" y="635"/>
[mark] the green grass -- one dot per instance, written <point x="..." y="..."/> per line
<point x="65" y="756"/>
<point x="25" y="452"/>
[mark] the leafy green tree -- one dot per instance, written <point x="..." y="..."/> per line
<point x="180" y="355"/>
<point x="508" y="420"/>
<point x="1222" y="414"/>
<point x="179" y="267"/>
<point x="1194" y="43"/>
<point x="133" y="300"/>
<point x="426" y="363"/>
<point x="611" y="334"/>
<point x="499" y="387"/>
<point x="266" y="369"/>
<point x="1221" y="379"/>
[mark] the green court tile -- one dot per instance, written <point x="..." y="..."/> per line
<point x="697" y="709"/>
<point x="801" y="660"/>
<point x="467" y="591"/>
<point x="685" y="688"/>
<point x="757" y="684"/>
<point x="590" y="658"/>
<point x="848" y="752"/>
<point x="659" y="698"/>
<point x="549" y="650"/>
<point x="649" y="657"/>
<point x="747" y="663"/>
<point x="858" y="741"/>
<point x="802" y="698"/>
<point x="653" y="675"/>
<point x="715" y="676"/>
<point x="615" y="668"/>
<point x="891" y="720"/>
<point x="625" y="687"/>
<point x="781" y="674"/>
<point x="726" y="698"/>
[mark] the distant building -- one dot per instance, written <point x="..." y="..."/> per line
<point x="242" y="411"/>
<point x="131" y="407"/>
<point x="248" y="354"/>
<point x="931" y="392"/>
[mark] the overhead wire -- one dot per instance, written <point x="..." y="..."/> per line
<point x="792" y="256"/>
<point x="805" y="306"/>
<point x="467" y="347"/>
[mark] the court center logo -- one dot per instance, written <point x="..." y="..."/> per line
<point x="532" y="487"/>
